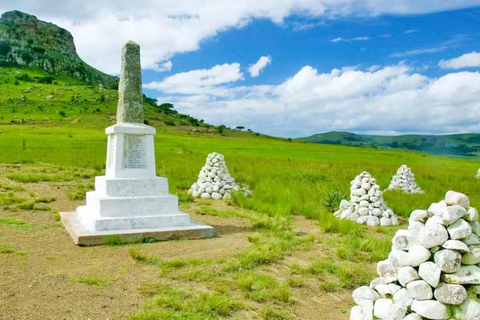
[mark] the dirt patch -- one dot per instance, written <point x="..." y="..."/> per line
<point x="46" y="276"/>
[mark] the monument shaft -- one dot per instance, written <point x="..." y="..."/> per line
<point x="130" y="201"/>
<point x="130" y="98"/>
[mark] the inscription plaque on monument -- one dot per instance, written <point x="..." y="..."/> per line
<point x="134" y="151"/>
<point x="111" y="152"/>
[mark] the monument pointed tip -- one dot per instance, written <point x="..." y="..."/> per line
<point x="132" y="43"/>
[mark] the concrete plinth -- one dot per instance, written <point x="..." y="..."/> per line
<point x="86" y="237"/>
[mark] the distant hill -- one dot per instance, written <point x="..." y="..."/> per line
<point x="44" y="82"/>
<point x="466" y="144"/>
<point x="28" y="41"/>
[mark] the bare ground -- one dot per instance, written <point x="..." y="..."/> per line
<point x="40" y="279"/>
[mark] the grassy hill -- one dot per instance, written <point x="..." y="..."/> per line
<point x="33" y="96"/>
<point x="467" y="144"/>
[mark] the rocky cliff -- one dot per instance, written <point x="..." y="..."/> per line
<point x="28" y="41"/>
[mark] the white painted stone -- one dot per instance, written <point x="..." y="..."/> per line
<point x="453" y="294"/>
<point x="456" y="245"/>
<point x="406" y="275"/>
<point x="361" y="313"/>
<point x="459" y="229"/>
<point x="457" y="198"/>
<point x="437" y="208"/>
<point x="364" y="293"/>
<point x="472" y="215"/>
<point x="386" y="270"/>
<point x="382" y="308"/>
<point x="412" y="316"/>
<point x="452" y="214"/>
<point x="419" y="215"/>
<point x="471" y="240"/>
<point x="472" y="257"/>
<point x="432" y="235"/>
<point x="419" y="290"/>
<point x="430" y="272"/>
<point x="417" y="255"/>
<point x="402" y="298"/>
<point x="398" y="258"/>
<point x="403" y="240"/>
<point x="430" y="309"/>
<point x="448" y="260"/>
<point x="464" y="275"/>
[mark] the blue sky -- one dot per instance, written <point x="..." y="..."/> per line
<point x="299" y="42"/>
<point x="365" y="66"/>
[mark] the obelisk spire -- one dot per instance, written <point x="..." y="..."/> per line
<point x="130" y="98"/>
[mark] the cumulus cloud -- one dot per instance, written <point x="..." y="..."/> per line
<point x="166" y="66"/>
<point x="466" y="60"/>
<point x="390" y="99"/>
<point x="165" y="28"/>
<point x="259" y="66"/>
<point x="201" y="81"/>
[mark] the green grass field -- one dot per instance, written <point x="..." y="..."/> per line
<point x="288" y="180"/>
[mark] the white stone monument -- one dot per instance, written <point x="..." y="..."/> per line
<point x="432" y="271"/>
<point x="366" y="205"/>
<point x="478" y="174"/>
<point x="130" y="200"/>
<point x="404" y="180"/>
<point x="214" y="180"/>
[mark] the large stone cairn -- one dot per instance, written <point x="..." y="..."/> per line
<point x="433" y="269"/>
<point x="478" y="174"/>
<point x="214" y="180"/>
<point x="366" y="205"/>
<point x="404" y="180"/>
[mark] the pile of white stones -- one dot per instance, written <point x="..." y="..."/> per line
<point x="404" y="180"/>
<point x="214" y="180"/>
<point x="433" y="269"/>
<point x="478" y="174"/>
<point x="366" y="205"/>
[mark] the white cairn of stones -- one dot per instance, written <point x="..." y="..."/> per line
<point x="214" y="180"/>
<point x="366" y="205"/>
<point x="433" y="270"/>
<point x="404" y="180"/>
<point x="478" y="174"/>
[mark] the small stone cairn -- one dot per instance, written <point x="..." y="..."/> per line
<point x="404" y="180"/>
<point x="478" y="174"/>
<point x="214" y="180"/>
<point x="366" y="205"/>
<point x="433" y="269"/>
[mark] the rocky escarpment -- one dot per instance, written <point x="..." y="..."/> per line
<point x="28" y="41"/>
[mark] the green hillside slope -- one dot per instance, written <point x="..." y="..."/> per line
<point x="467" y="144"/>
<point x="27" y="41"/>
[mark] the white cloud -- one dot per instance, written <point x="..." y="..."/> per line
<point x="259" y="66"/>
<point x="201" y="81"/>
<point x="391" y="99"/>
<point x="166" y="66"/>
<point x="340" y="39"/>
<point x="466" y="60"/>
<point x="164" y="28"/>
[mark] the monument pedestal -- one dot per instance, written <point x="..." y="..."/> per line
<point x="130" y="200"/>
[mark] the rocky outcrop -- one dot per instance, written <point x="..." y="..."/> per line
<point x="433" y="269"/>
<point x="27" y="41"/>
<point x="366" y="205"/>
<point x="404" y="180"/>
